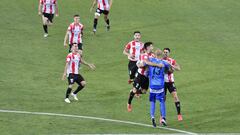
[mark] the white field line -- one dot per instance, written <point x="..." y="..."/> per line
<point x="94" y="118"/>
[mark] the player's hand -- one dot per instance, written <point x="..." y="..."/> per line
<point x="39" y="13"/>
<point x="160" y="65"/>
<point x="65" y="45"/>
<point x="64" y="77"/>
<point x="131" y="56"/>
<point x="57" y="14"/>
<point x="92" y="66"/>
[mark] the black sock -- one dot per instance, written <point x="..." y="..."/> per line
<point x="131" y="95"/>
<point x="45" y="28"/>
<point x="68" y="92"/>
<point x="107" y="21"/>
<point x="79" y="88"/>
<point x="95" y="23"/>
<point x="177" y="104"/>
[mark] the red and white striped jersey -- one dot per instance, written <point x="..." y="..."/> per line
<point x="144" y="70"/>
<point x="73" y="61"/>
<point x="75" y="33"/>
<point x="48" y="6"/>
<point x="168" y="77"/>
<point x="135" y="48"/>
<point x="103" y="4"/>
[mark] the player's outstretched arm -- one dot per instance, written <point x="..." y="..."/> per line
<point x="92" y="66"/>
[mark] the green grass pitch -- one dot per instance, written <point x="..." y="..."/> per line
<point x="202" y="34"/>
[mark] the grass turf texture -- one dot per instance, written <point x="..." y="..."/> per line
<point x="203" y="36"/>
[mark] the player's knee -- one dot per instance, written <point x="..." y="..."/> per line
<point x="83" y="83"/>
<point x="97" y="15"/>
<point x="70" y="86"/>
<point x="134" y="90"/>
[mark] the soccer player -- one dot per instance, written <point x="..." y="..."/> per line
<point x="141" y="83"/>
<point x="169" y="81"/>
<point x="47" y="8"/>
<point x="74" y="34"/>
<point x="73" y="62"/>
<point x="156" y="81"/>
<point x="103" y="6"/>
<point x="133" y="50"/>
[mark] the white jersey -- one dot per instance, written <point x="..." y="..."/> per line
<point x="75" y="33"/>
<point x="169" y="77"/>
<point x="135" y="48"/>
<point x="74" y="63"/>
<point x="103" y="4"/>
<point x="48" y="6"/>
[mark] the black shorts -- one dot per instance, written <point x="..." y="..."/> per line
<point x="141" y="82"/>
<point x="72" y="78"/>
<point x="79" y="46"/>
<point x="170" y="86"/>
<point x="49" y="16"/>
<point x="132" y="68"/>
<point x="99" y="11"/>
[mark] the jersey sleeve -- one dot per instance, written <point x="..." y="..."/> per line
<point x="41" y="1"/>
<point x="68" y="58"/>
<point x="128" y="46"/>
<point x="174" y="62"/>
<point x="69" y="28"/>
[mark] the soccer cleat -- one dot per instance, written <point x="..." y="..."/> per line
<point x="180" y="117"/>
<point x="45" y="35"/>
<point x="67" y="100"/>
<point x="108" y="27"/>
<point x="94" y="31"/>
<point x="163" y="122"/>
<point x="129" y="107"/>
<point x="153" y="122"/>
<point x="130" y="81"/>
<point x="74" y="96"/>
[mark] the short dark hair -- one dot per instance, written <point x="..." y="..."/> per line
<point x="76" y="15"/>
<point x="147" y="44"/>
<point x="136" y="32"/>
<point x="167" y="49"/>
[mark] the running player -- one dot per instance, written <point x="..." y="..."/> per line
<point x="71" y="70"/>
<point x="74" y="34"/>
<point x="103" y="6"/>
<point x="47" y="9"/>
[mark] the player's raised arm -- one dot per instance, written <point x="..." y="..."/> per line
<point x="92" y="66"/>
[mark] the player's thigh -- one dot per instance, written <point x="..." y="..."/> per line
<point x="160" y="97"/>
<point x="71" y="79"/>
<point x="98" y="13"/>
<point x="137" y="82"/>
<point x="152" y="97"/>
<point x="144" y="82"/>
<point x="80" y="80"/>
<point x="171" y="87"/>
